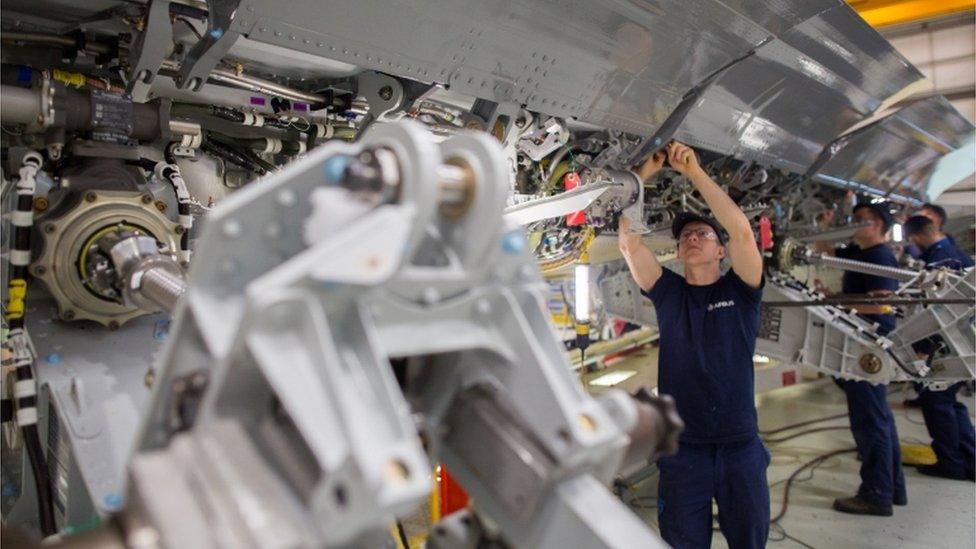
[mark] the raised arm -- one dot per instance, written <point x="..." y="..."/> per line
<point x="743" y="251"/>
<point x="642" y="262"/>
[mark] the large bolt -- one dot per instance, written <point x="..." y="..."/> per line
<point x="147" y="199"/>
<point x="91" y="197"/>
<point x="870" y="363"/>
<point x="41" y="203"/>
<point x="160" y="205"/>
<point x="386" y="93"/>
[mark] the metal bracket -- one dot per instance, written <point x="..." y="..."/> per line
<point x="150" y="50"/>
<point x="206" y="53"/>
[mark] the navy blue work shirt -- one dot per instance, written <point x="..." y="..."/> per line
<point x="945" y="254"/>
<point x="707" y="341"/>
<point x="941" y="254"/>
<point x="859" y="283"/>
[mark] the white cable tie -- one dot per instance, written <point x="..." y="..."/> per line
<point x="20" y="258"/>
<point x="186" y="220"/>
<point x="248" y="119"/>
<point x="183" y="255"/>
<point x="22" y="219"/>
<point x="272" y="145"/>
<point x="25" y="388"/>
<point x="302" y="147"/>
<point x="27" y="416"/>
<point x="258" y="120"/>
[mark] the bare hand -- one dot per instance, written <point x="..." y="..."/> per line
<point x="682" y="158"/>
<point x="652" y="165"/>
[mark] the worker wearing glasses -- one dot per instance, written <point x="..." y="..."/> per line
<point x="708" y="323"/>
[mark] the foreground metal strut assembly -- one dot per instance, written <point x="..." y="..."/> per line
<point x="277" y="420"/>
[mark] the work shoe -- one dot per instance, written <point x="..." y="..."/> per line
<point x="857" y="506"/>
<point x="936" y="471"/>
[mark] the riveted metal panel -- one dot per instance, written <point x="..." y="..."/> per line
<point x="899" y="152"/>
<point x="621" y="65"/>
<point x="798" y="93"/>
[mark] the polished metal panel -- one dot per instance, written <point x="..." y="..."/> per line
<point x="784" y="104"/>
<point x="620" y="65"/>
<point x="898" y="153"/>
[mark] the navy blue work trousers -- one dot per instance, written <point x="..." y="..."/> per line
<point x="951" y="430"/>
<point x="873" y="427"/>
<point x="734" y="474"/>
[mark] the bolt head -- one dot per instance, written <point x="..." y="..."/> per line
<point x="91" y="197"/>
<point x="386" y="93"/>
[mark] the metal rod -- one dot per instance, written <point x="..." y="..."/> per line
<point x="253" y="83"/>
<point x="871" y="301"/>
<point x="830" y="234"/>
<point x="19" y="105"/>
<point x="54" y="40"/>
<point x="162" y="288"/>
<point x="904" y="275"/>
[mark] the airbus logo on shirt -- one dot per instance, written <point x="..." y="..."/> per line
<point x="720" y="304"/>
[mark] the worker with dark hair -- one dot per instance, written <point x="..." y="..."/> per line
<point x="872" y="423"/>
<point x="707" y="345"/>
<point x="938" y="216"/>
<point x="947" y="419"/>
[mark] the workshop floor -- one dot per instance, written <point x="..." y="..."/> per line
<point x="940" y="513"/>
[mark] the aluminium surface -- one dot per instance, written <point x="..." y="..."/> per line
<point x="898" y="152"/>
<point x="97" y="379"/>
<point x="601" y="62"/>
<point x="784" y="104"/>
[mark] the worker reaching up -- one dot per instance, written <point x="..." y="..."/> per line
<point x="708" y="324"/>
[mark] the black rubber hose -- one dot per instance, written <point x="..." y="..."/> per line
<point x="222" y="151"/>
<point x="35" y="453"/>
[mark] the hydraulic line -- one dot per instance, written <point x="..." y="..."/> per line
<point x="25" y="389"/>
<point x="225" y="152"/>
<point x="170" y="172"/>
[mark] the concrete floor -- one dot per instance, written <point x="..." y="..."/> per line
<point x="940" y="513"/>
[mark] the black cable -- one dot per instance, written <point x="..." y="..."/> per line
<point x="35" y="454"/>
<point x="814" y="463"/>
<point x="234" y="157"/>
<point x="786" y="536"/>
<point x="26" y="399"/>
<point x="403" y="535"/>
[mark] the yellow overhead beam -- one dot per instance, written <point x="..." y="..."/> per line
<point x="881" y="13"/>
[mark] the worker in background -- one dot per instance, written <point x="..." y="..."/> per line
<point x="946" y="419"/>
<point x="706" y="349"/>
<point x="938" y="216"/>
<point x="872" y="423"/>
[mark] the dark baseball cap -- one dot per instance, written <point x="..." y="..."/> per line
<point x="685" y="218"/>
<point x="882" y="209"/>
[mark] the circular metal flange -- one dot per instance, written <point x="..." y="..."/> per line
<point x="870" y="363"/>
<point x="68" y="237"/>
